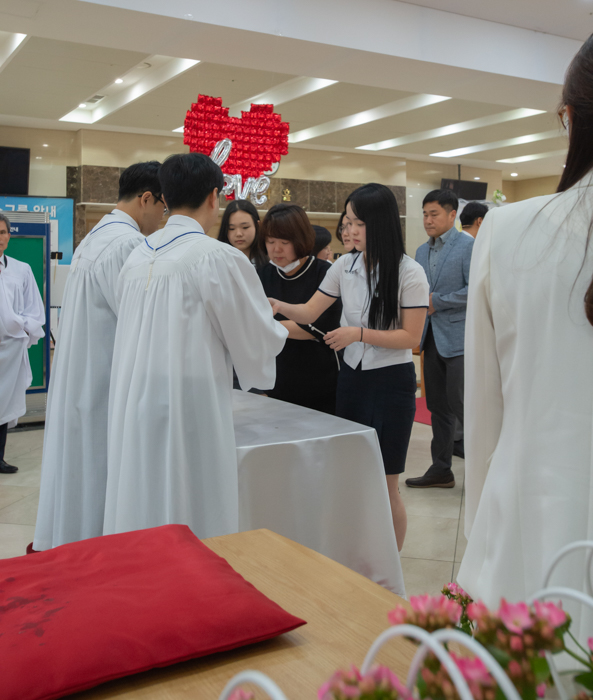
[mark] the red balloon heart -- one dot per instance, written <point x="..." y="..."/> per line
<point x="259" y="137"/>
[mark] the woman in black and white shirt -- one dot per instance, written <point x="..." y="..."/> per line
<point x="385" y="300"/>
<point x="306" y="369"/>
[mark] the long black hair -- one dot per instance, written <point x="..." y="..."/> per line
<point x="256" y="254"/>
<point x="578" y="95"/>
<point x="376" y="206"/>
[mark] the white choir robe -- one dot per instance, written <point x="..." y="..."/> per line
<point x="528" y="397"/>
<point x="22" y="317"/>
<point x="191" y="307"/>
<point x="74" y="466"/>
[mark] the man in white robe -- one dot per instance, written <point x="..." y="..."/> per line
<point x="21" y="325"/>
<point x="74" y="467"/>
<point x="190" y="308"/>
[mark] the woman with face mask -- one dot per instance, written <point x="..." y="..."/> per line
<point x="385" y="299"/>
<point x="306" y="369"/>
<point x="240" y="228"/>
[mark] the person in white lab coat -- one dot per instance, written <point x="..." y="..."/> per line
<point x="529" y="375"/>
<point x="74" y="466"/>
<point x="22" y="317"/>
<point x="190" y="308"/>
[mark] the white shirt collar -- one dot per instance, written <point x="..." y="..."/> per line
<point x="185" y="221"/>
<point x="357" y="265"/>
<point x="122" y="216"/>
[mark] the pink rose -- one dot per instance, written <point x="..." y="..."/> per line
<point x="515" y="616"/>
<point x="477" y="610"/>
<point x="240" y="694"/>
<point x="550" y="613"/>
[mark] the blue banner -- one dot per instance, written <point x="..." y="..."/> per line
<point x="61" y="213"/>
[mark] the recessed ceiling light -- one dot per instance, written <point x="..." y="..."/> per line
<point x="476" y="178"/>
<point x="37" y="157"/>
<point x="411" y="195"/>
<point x="45" y="145"/>
<point x="514" y="174"/>
<point x="82" y="105"/>
<point x="118" y="81"/>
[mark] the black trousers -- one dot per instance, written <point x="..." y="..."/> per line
<point x="3" y="432"/>
<point x="443" y="381"/>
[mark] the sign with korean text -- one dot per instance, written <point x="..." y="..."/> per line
<point x="61" y="216"/>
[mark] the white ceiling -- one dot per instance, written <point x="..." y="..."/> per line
<point x="76" y="49"/>
<point x="568" y="18"/>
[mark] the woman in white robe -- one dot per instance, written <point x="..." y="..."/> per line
<point x="529" y="376"/>
<point x="190" y="308"/>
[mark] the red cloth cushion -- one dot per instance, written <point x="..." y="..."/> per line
<point x="88" y="612"/>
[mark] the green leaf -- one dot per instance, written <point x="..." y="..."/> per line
<point x="421" y="685"/>
<point x="585" y="679"/>
<point x="540" y="668"/>
<point x="529" y="692"/>
<point x="501" y="656"/>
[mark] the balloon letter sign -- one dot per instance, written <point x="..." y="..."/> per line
<point x="248" y="146"/>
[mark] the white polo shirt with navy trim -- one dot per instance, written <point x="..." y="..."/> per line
<point x="347" y="280"/>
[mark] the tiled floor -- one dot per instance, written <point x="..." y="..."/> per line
<point x="433" y="549"/>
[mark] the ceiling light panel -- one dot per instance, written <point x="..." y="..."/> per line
<point x="391" y="109"/>
<point x="285" y="92"/>
<point x="449" y="129"/>
<point x="425" y="119"/>
<point x="533" y="156"/>
<point x="517" y="141"/>
<point x="144" y="78"/>
<point x="10" y="44"/>
<point x="47" y="78"/>
<point x="165" y="107"/>
<point x="335" y="102"/>
<point x="489" y="134"/>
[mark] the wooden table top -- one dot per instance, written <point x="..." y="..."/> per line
<point x="345" y="612"/>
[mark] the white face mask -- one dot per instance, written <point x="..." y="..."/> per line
<point x="288" y="268"/>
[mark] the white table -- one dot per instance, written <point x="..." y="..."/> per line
<point x="318" y="480"/>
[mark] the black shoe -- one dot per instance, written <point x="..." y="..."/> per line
<point x="7" y="468"/>
<point x="459" y="449"/>
<point x="439" y="481"/>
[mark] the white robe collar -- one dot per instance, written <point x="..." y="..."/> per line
<point x="177" y="226"/>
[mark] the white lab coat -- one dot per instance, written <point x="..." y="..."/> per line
<point x="74" y="467"/>
<point x="528" y="395"/>
<point x="22" y="317"/>
<point x="191" y="308"/>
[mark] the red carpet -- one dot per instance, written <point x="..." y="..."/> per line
<point x="422" y="413"/>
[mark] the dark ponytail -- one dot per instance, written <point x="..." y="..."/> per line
<point x="578" y="96"/>
<point x="377" y="207"/>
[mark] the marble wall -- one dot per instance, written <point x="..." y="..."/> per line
<point x="89" y="184"/>
<point x="321" y="196"/>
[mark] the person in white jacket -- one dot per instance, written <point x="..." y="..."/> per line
<point x="529" y="375"/>
<point x="22" y="317"/>
<point x="74" y="465"/>
<point x="190" y="307"/>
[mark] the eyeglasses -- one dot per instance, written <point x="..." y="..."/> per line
<point x="159" y="198"/>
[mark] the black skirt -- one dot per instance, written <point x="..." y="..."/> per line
<point x="383" y="399"/>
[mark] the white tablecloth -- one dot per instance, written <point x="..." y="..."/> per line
<point x="318" y="480"/>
